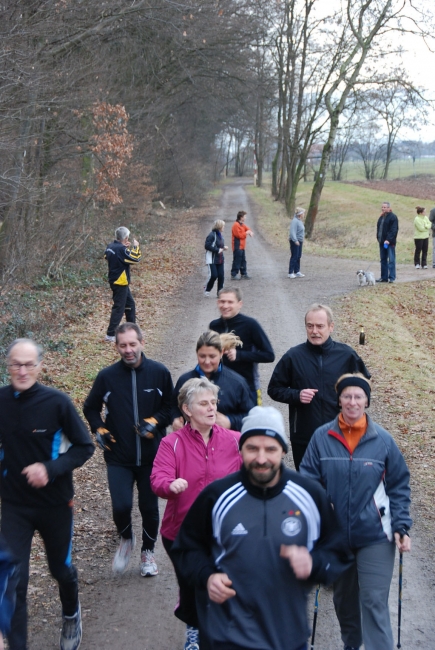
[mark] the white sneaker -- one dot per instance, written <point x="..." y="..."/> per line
<point x="148" y="566"/>
<point x="425" y="267"/>
<point x="291" y="275"/>
<point x="417" y="266"/>
<point x="110" y="339"/>
<point x="300" y="275"/>
<point x="123" y="555"/>
<point x="206" y="293"/>
<point x="71" y="634"/>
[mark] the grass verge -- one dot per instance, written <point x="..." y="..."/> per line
<point x="346" y="221"/>
<point x="399" y="322"/>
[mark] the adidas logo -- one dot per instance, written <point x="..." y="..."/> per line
<point x="239" y="530"/>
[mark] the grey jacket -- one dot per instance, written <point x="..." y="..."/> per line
<point x="369" y="488"/>
<point x="297" y="230"/>
<point x="432" y="220"/>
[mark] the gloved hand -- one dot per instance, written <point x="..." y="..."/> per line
<point x="104" y="438"/>
<point x="147" y="430"/>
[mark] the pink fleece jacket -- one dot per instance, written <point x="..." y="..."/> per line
<point x="184" y="454"/>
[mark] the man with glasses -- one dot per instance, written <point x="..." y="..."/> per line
<point x="305" y="377"/>
<point x="42" y="441"/>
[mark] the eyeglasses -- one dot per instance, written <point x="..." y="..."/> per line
<point x="357" y="398"/>
<point x="17" y="366"/>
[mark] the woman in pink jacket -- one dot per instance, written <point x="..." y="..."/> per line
<point x="187" y="460"/>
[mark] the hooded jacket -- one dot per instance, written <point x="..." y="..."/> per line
<point x="234" y="399"/>
<point x="184" y="454"/>
<point x="312" y="366"/>
<point x="128" y="396"/>
<point x="368" y="488"/>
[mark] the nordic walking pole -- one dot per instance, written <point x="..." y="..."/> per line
<point x="399" y="612"/>
<point x="316" y="609"/>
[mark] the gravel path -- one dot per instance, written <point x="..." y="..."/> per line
<point x="137" y="612"/>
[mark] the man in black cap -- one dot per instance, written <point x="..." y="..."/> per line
<point x="257" y="539"/>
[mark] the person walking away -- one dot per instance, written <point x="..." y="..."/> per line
<point x="234" y="397"/>
<point x="120" y="255"/>
<point x="239" y="233"/>
<point x="256" y="346"/>
<point x="296" y="239"/>
<point x="305" y="377"/>
<point x="186" y="461"/>
<point x="366" y="477"/>
<point x="135" y="394"/>
<point x="432" y="220"/>
<point x="254" y="542"/>
<point x="214" y="257"/>
<point x="386" y="233"/>
<point x="43" y="440"/>
<point x="422" y="227"/>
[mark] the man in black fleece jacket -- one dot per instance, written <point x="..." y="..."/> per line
<point x="135" y="394"/>
<point x="254" y="542"/>
<point x="305" y="377"/>
<point x="256" y="345"/>
<point x="42" y="441"/>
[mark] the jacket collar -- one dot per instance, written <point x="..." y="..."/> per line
<point x="24" y="394"/>
<point x="140" y="366"/>
<point x="335" y="431"/>
<point x="321" y="349"/>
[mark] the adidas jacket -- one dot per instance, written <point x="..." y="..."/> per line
<point x="237" y="528"/>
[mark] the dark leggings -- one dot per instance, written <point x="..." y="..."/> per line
<point x="54" y="524"/>
<point x="421" y="247"/>
<point x="216" y="272"/>
<point x="121" y="482"/>
<point x="186" y="609"/>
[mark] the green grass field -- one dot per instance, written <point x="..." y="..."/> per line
<point x="354" y="171"/>
<point x="346" y="221"/>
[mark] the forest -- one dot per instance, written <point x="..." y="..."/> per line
<point x="108" y="106"/>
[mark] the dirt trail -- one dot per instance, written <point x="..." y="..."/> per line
<point x="137" y="612"/>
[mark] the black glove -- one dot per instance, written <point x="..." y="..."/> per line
<point x="104" y="438"/>
<point x="148" y="429"/>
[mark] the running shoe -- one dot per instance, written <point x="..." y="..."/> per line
<point x="123" y="554"/>
<point x="71" y="634"/>
<point x="292" y="275"/>
<point x="148" y="566"/>
<point x="300" y="275"/>
<point x="192" y="638"/>
<point x="110" y="339"/>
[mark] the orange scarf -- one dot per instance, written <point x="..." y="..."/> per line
<point x="353" y="432"/>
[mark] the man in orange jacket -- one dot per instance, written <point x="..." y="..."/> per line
<point x="239" y="233"/>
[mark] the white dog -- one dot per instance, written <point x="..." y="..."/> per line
<point x="366" y="278"/>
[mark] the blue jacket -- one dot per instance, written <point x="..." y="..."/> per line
<point x="234" y="398"/>
<point x="369" y="488"/>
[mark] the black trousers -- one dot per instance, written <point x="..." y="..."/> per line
<point x="123" y="303"/>
<point x="421" y="247"/>
<point x="239" y="263"/>
<point x="298" y="451"/>
<point x="216" y="272"/>
<point x="121" y="482"/>
<point x="186" y="609"/>
<point x="54" y="524"/>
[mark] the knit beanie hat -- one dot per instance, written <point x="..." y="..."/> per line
<point x="264" y="421"/>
